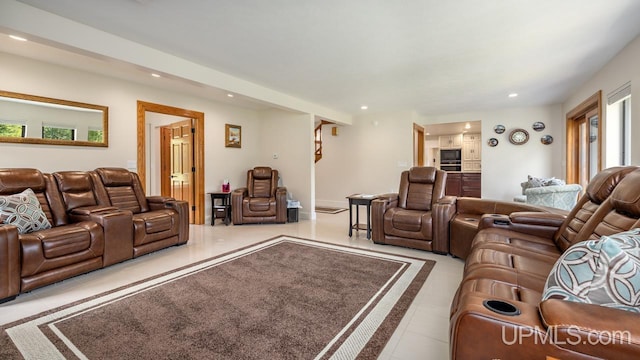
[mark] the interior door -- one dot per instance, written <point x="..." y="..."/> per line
<point x="584" y="141"/>
<point x="418" y="145"/>
<point x="181" y="163"/>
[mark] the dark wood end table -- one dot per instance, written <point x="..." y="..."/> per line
<point x="222" y="210"/>
<point x="357" y="200"/>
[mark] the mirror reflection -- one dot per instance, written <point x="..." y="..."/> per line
<point x="40" y="120"/>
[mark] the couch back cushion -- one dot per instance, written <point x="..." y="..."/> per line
<point x="14" y="181"/>
<point x="604" y="272"/>
<point x="120" y="188"/>
<point x="76" y="188"/>
<point x="596" y="193"/>
<point x="419" y="188"/>
<point x="262" y="182"/>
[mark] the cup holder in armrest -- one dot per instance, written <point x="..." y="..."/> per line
<point x="501" y="307"/>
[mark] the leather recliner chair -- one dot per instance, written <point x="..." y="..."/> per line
<point x="158" y="221"/>
<point x="262" y="201"/>
<point x="418" y="216"/>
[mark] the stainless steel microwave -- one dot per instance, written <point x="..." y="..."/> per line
<point x="450" y="156"/>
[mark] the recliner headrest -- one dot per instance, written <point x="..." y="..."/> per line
<point x="604" y="183"/>
<point x="13" y="181"/>
<point x="73" y="181"/>
<point x="425" y="175"/>
<point x="262" y="172"/>
<point x="625" y="198"/>
<point x="115" y="176"/>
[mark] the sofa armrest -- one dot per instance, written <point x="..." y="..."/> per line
<point x="117" y="226"/>
<point x="442" y="213"/>
<point x="182" y="208"/>
<point x="158" y="202"/>
<point x="379" y="206"/>
<point x="237" y="195"/>
<point x="468" y="205"/>
<point x="9" y="263"/>
<point x="586" y="328"/>
<point x="281" y="205"/>
<point x="543" y="225"/>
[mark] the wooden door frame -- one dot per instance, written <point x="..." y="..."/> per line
<point x="198" y="151"/>
<point x="594" y="102"/>
<point x="419" y="146"/>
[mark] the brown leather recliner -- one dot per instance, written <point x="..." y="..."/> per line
<point x="262" y="201"/>
<point x="158" y="222"/>
<point x="42" y="257"/>
<point x="418" y="216"/>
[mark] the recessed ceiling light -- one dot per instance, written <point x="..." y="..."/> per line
<point x="230" y="95"/>
<point x="364" y="107"/>
<point x="155" y="75"/>
<point x="15" y="37"/>
<point x="512" y="95"/>
<point x="467" y="126"/>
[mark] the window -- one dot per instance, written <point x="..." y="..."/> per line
<point x="95" y="135"/>
<point x="618" y="127"/>
<point x="58" y="133"/>
<point x="12" y="130"/>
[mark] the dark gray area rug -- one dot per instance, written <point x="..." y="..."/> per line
<point x="284" y="298"/>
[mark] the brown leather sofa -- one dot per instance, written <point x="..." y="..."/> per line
<point x="86" y="233"/>
<point x="418" y="215"/>
<point x="498" y="310"/>
<point x="262" y="201"/>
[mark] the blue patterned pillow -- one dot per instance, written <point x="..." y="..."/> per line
<point x="24" y="211"/>
<point x="604" y="272"/>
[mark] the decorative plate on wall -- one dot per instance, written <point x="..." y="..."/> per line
<point x="499" y="129"/>
<point x="493" y="142"/>
<point x="547" y="139"/>
<point x="519" y="136"/>
<point x="538" y="126"/>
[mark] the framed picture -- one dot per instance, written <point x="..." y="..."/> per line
<point x="232" y="135"/>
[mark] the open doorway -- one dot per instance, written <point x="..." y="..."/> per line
<point x="196" y="186"/>
<point x="584" y="141"/>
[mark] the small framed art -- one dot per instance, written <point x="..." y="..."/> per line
<point x="232" y="136"/>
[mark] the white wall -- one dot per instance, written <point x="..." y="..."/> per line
<point x="366" y="157"/>
<point x="287" y="145"/>
<point x="620" y="70"/>
<point x="505" y="166"/>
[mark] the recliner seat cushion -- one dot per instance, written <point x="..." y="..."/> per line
<point x="411" y="224"/>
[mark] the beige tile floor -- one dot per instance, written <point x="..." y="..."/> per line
<point x="422" y="334"/>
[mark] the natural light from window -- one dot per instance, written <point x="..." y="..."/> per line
<point x="618" y="127"/>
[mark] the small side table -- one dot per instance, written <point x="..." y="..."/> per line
<point x="357" y="200"/>
<point x="221" y="210"/>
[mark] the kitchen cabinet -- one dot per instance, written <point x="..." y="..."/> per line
<point x="471" y="152"/>
<point x="450" y="141"/>
<point x="463" y="184"/>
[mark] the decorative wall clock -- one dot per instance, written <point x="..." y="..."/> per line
<point x="519" y="136"/>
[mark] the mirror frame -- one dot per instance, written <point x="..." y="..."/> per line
<point x="105" y="121"/>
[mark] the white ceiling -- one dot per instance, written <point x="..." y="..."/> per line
<point x="431" y="56"/>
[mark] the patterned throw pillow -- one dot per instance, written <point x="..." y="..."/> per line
<point x="533" y="182"/>
<point x="23" y="210"/>
<point x="604" y="272"/>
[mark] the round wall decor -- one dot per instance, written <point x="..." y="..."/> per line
<point x="499" y="129"/>
<point x="547" y="139"/>
<point x="493" y="142"/>
<point x="538" y="126"/>
<point x="519" y="136"/>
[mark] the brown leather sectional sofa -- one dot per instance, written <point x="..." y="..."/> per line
<point x="98" y="218"/>
<point x="498" y="311"/>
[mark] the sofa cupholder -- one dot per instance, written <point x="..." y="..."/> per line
<point x="501" y="307"/>
<point x="470" y="219"/>
<point x="497" y="215"/>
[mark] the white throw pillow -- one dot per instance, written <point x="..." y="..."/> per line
<point x="24" y="211"/>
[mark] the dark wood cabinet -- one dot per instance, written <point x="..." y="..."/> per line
<point x="454" y="184"/>
<point x="463" y="184"/>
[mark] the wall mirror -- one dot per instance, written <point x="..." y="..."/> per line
<point x="34" y="119"/>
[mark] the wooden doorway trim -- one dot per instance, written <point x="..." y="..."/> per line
<point x="198" y="141"/>
<point x="418" y="145"/>
<point x="593" y="103"/>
